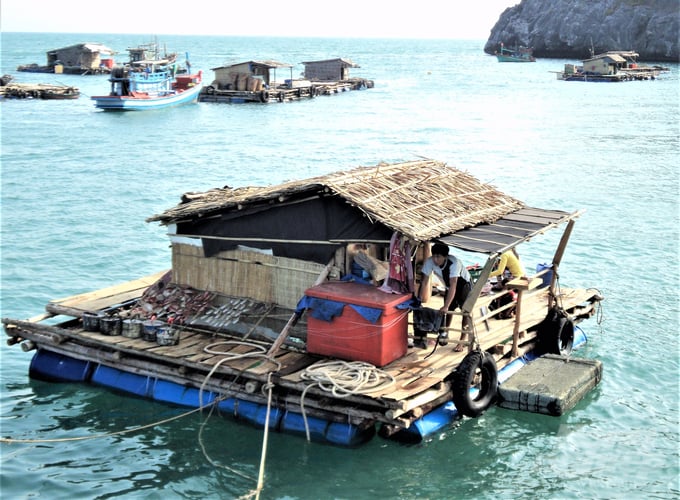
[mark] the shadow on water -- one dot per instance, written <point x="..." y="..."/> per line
<point x="143" y="450"/>
<point x="195" y="455"/>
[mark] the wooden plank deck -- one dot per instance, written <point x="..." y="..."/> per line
<point x="419" y="376"/>
<point x="104" y="298"/>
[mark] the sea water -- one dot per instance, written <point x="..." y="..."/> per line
<point x="78" y="184"/>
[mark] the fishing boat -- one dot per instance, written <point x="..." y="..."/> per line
<point x="149" y="84"/>
<point x="265" y="317"/>
<point x="611" y="66"/>
<point x="518" y="54"/>
<point x="145" y="54"/>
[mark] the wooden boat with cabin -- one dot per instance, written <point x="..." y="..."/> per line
<point x="517" y="54"/>
<point x="264" y="316"/>
<point x="150" y="81"/>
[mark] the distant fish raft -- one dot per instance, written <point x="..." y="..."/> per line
<point x="78" y="59"/>
<point x="257" y="81"/>
<point x="38" y="91"/>
<point x="612" y="66"/>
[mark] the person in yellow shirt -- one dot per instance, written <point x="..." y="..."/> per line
<point x="509" y="260"/>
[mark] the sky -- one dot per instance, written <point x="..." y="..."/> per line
<point x="349" y="18"/>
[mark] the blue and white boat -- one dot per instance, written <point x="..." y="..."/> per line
<point x="149" y="85"/>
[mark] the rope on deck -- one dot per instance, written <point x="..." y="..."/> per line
<point x="261" y="352"/>
<point x="343" y="379"/>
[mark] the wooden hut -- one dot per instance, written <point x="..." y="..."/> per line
<point x="221" y="237"/>
<point x="329" y="70"/>
<point x="604" y="64"/>
<point x="83" y="56"/>
<point x="249" y="75"/>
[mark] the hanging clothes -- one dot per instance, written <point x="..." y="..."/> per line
<point x="400" y="274"/>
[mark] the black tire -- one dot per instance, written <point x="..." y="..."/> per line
<point x="210" y="90"/>
<point x="556" y="333"/>
<point x="282" y="96"/>
<point x="264" y="96"/>
<point x="565" y="337"/>
<point x="312" y="92"/>
<point x="478" y="369"/>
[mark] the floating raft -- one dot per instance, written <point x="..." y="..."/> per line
<point x="211" y="358"/>
<point x="283" y="93"/>
<point x="38" y="91"/>
<point x="278" y="329"/>
<point x="551" y="384"/>
<point x="622" y="76"/>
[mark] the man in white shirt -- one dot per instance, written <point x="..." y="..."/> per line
<point x="456" y="279"/>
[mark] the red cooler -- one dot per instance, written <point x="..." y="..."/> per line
<point x="350" y="335"/>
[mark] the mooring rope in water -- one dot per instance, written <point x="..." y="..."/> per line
<point x="205" y="452"/>
<point x="265" y="439"/>
<point x="98" y="436"/>
<point x="261" y="352"/>
<point x="213" y="404"/>
<point x="599" y="312"/>
<point x="343" y="379"/>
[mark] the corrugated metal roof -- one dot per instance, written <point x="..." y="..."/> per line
<point x="98" y="47"/>
<point x="609" y="57"/>
<point x="508" y="231"/>
<point x="266" y="64"/>
<point x="90" y="47"/>
<point x="344" y="61"/>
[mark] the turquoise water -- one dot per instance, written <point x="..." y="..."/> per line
<point x="78" y="183"/>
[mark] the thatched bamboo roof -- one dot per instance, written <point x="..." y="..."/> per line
<point x="422" y="199"/>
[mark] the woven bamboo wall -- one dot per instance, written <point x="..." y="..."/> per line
<point x="242" y="273"/>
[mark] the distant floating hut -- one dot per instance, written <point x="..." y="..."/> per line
<point x="81" y="58"/>
<point x="256" y="81"/>
<point x="248" y="75"/>
<point x="329" y="69"/>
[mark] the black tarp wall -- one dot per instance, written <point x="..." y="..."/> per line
<point x="312" y="220"/>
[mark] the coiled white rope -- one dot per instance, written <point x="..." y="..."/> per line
<point x="343" y="379"/>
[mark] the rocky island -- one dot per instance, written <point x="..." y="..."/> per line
<point x="577" y="28"/>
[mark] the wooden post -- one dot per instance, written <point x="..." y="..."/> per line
<point x="469" y="304"/>
<point x="295" y="317"/>
<point x="521" y="285"/>
<point x="425" y="289"/>
<point x="557" y="259"/>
